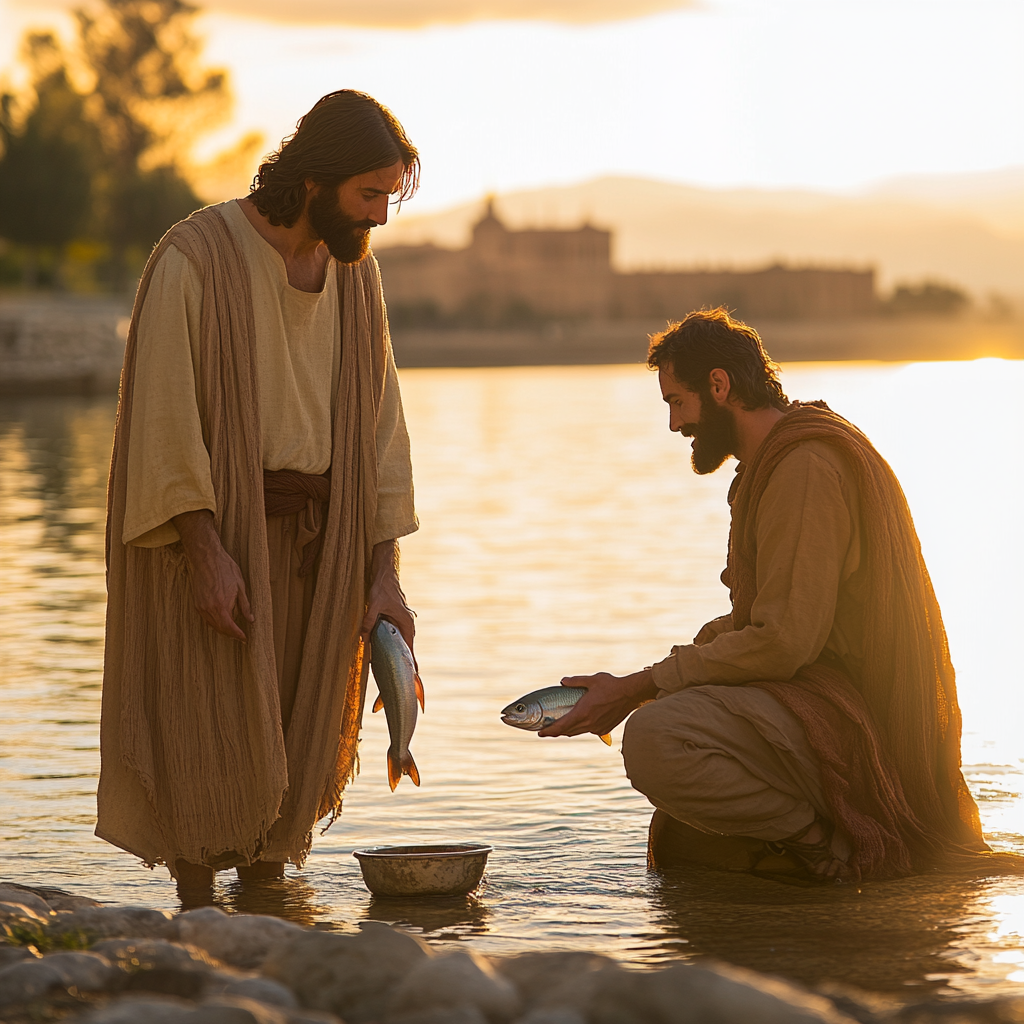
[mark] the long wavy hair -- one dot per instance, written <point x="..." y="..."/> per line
<point x="345" y="133"/>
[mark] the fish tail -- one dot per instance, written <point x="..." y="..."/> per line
<point x="419" y="695"/>
<point x="399" y="766"/>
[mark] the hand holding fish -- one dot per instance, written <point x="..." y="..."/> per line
<point x="608" y="700"/>
<point x="385" y="598"/>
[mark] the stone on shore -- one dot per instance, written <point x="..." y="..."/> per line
<point x="457" y="981"/>
<point x="30" y="979"/>
<point x="95" y="923"/>
<point x="718" y="994"/>
<point x="242" y="940"/>
<point x="149" y="967"/>
<point x="352" y="976"/>
<point x="554" y="981"/>
<point x="56" y="899"/>
<point x="15" y="896"/>
<point x="218" y="1010"/>
<point x="133" y="954"/>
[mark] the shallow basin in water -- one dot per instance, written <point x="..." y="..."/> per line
<point x="436" y="870"/>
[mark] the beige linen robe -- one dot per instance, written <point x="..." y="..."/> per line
<point x="196" y="763"/>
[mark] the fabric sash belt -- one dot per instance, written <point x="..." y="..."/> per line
<point x="286" y="492"/>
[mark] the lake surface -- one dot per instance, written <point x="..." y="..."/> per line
<point x="563" y="532"/>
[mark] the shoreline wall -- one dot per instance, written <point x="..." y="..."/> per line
<point x="54" y="345"/>
<point x="75" y="344"/>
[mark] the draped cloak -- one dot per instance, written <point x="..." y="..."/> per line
<point x="195" y="764"/>
<point x="888" y="737"/>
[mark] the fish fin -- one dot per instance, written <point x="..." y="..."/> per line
<point x="607" y="738"/>
<point x="377" y="705"/>
<point x="419" y="694"/>
<point x="396" y="769"/>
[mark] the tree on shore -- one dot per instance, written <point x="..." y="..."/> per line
<point x="100" y="148"/>
<point x="49" y="160"/>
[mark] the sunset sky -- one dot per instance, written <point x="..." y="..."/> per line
<point x="827" y="94"/>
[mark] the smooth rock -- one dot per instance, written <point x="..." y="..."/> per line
<point x="220" y="1010"/>
<point x="115" y="923"/>
<point x="453" y="981"/>
<point x="554" y="979"/>
<point x="15" y="954"/>
<point x="22" y="915"/>
<point x="553" y="1015"/>
<point x="65" y="901"/>
<point x="719" y="994"/>
<point x="441" y="1015"/>
<point x="28" y="980"/>
<point x="86" y="972"/>
<point x="146" y="954"/>
<point x="236" y="1010"/>
<point x="350" y="975"/>
<point x="25" y="898"/>
<point x="264" y="990"/>
<point x="141" y="1010"/>
<point x="187" y="981"/>
<point x="242" y="940"/>
<point x="56" y="899"/>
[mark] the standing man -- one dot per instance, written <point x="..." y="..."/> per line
<point x="260" y="481"/>
<point x="815" y="727"/>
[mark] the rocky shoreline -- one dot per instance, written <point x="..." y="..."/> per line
<point x="71" y="958"/>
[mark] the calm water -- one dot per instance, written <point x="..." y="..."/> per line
<point x="563" y="532"/>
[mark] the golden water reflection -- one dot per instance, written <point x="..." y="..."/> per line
<point x="562" y="532"/>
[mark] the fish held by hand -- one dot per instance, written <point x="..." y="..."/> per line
<point x="400" y="688"/>
<point x="541" y="708"/>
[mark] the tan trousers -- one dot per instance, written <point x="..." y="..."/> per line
<point x="292" y="598"/>
<point x="725" y="759"/>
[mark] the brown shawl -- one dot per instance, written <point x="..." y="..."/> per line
<point x="194" y="761"/>
<point x="889" y="740"/>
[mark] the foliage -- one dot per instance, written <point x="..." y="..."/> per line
<point x="95" y="152"/>
<point x="46" y="173"/>
<point x="930" y="298"/>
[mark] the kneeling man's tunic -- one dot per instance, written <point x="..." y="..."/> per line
<point x="279" y="411"/>
<point x="828" y="690"/>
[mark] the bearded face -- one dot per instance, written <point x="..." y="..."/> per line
<point x="714" y="437"/>
<point x="347" y="239"/>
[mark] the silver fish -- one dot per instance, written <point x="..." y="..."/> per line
<point x="400" y="687"/>
<point x="541" y="708"/>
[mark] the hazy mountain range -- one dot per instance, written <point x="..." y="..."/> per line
<point x="966" y="230"/>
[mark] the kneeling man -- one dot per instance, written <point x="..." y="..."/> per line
<point x="817" y="724"/>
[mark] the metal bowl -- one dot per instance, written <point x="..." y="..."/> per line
<point x="443" y="870"/>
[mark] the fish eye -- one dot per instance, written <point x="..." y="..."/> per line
<point x="520" y="707"/>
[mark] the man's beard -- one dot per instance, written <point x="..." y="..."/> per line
<point x="714" y="437"/>
<point x="347" y="240"/>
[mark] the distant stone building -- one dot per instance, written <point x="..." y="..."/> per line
<point x="512" y="278"/>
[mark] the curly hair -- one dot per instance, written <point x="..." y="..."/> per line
<point x="709" y="339"/>
<point x="344" y="134"/>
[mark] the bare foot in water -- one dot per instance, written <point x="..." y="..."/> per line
<point x="812" y="847"/>
<point x="193" y="876"/>
<point x="260" y="870"/>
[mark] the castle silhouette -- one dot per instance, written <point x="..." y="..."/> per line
<point x="510" y="277"/>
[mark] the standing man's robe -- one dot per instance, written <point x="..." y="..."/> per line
<point x="214" y="751"/>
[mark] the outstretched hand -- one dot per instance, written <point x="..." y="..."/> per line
<point x="608" y="700"/>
